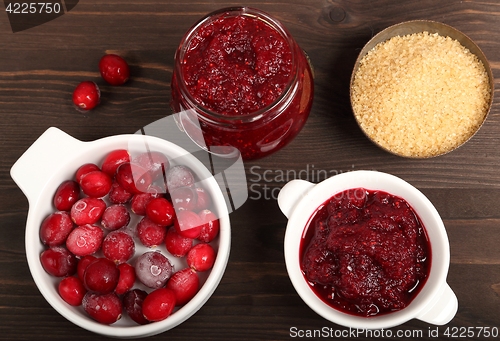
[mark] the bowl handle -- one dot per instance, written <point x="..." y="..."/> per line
<point x="442" y="309"/>
<point x="291" y="194"/>
<point x="33" y="169"/>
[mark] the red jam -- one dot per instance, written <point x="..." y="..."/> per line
<point x="365" y="253"/>
<point x="249" y="84"/>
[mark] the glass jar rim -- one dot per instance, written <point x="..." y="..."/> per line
<point x="231" y="12"/>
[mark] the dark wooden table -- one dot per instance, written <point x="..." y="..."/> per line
<point x="40" y="66"/>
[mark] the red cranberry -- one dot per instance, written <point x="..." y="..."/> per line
<point x="203" y="200"/>
<point x="150" y="233"/>
<point x="184" y="198"/>
<point x="133" y="178"/>
<point x="118" y="195"/>
<point x="177" y="245"/>
<point x="86" y="95"/>
<point x="113" y="160"/>
<point x="140" y="201"/>
<point x="58" y="261"/>
<point x="115" y="217"/>
<point x="106" y="309"/>
<point x="210" y="228"/>
<point x="71" y="290"/>
<point x="85" y="240"/>
<point x="126" y="280"/>
<point x="161" y="211"/>
<point x="101" y="276"/>
<point x="118" y="246"/>
<point x="156" y="163"/>
<point x="114" y="69"/>
<point x="82" y="265"/>
<point x="158" y="305"/>
<point x="56" y="228"/>
<point x="201" y="257"/>
<point x="188" y="224"/>
<point x="87" y="210"/>
<point x="84" y="169"/>
<point x="132" y="303"/>
<point x="96" y="184"/>
<point x="153" y="269"/>
<point x="66" y="195"/>
<point x="179" y="176"/>
<point x="184" y="284"/>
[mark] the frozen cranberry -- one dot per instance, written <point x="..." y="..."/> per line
<point x="184" y="284"/>
<point x="132" y="303"/>
<point x="210" y="228"/>
<point x="156" y="163"/>
<point x="184" y="198"/>
<point x="114" y="69"/>
<point x="86" y="95"/>
<point x="140" y="201"/>
<point x="118" y="246"/>
<point x="201" y="257"/>
<point x="161" y="211"/>
<point x="150" y="233"/>
<point x="177" y="245"/>
<point x="96" y="184"/>
<point x="188" y="224"/>
<point x="56" y="228"/>
<point x="87" y="211"/>
<point x="113" y="160"/>
<point x="158" y="305"/>
<point x="118" y="195"/>
<point x="133" y="178"/>
<point x="71" y="290"/>
<point x="179" y="176"/>
<point x="101" y="276"/>
<point x="106" y="309"/>
<point x="85" y="240"/>
<point x="115" y="217"/>
<point x="58" y="261"/>
<point x="126" y="280"/>
<point x="203" y="200"/>
<point x="153" y="269"/>
<point x="66" y="195"/>
<point x="82" y="265"/>
<point x="84" y="169"/>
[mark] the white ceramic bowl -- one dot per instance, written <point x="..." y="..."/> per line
<point x="436" y="303"/>
<point x="54" y="157"/>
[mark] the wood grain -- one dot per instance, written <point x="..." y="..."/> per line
<point x="255" y="300"/>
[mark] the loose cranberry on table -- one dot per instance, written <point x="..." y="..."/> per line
<point x="104" y="308"/>
<point x="86" y="95"/>
<point x="56" y="228"/>
<point x="58" y="261"/>
<point x="159" y="304"/>
<point x="114" y="69"/>
<point x="72" y="290"/>
<point x="184" y="284"/>
<point x="201" y="257"/>
<point x="66" y="195"/>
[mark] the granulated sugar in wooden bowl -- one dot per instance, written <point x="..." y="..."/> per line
<point x="420" y="89"/>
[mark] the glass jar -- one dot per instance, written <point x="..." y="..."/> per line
<point x="248" y="85"/>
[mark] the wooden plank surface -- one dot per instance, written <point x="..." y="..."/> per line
<point x="39" y="68"/>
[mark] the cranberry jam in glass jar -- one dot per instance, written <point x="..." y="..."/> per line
<point x="241" y="82"/>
